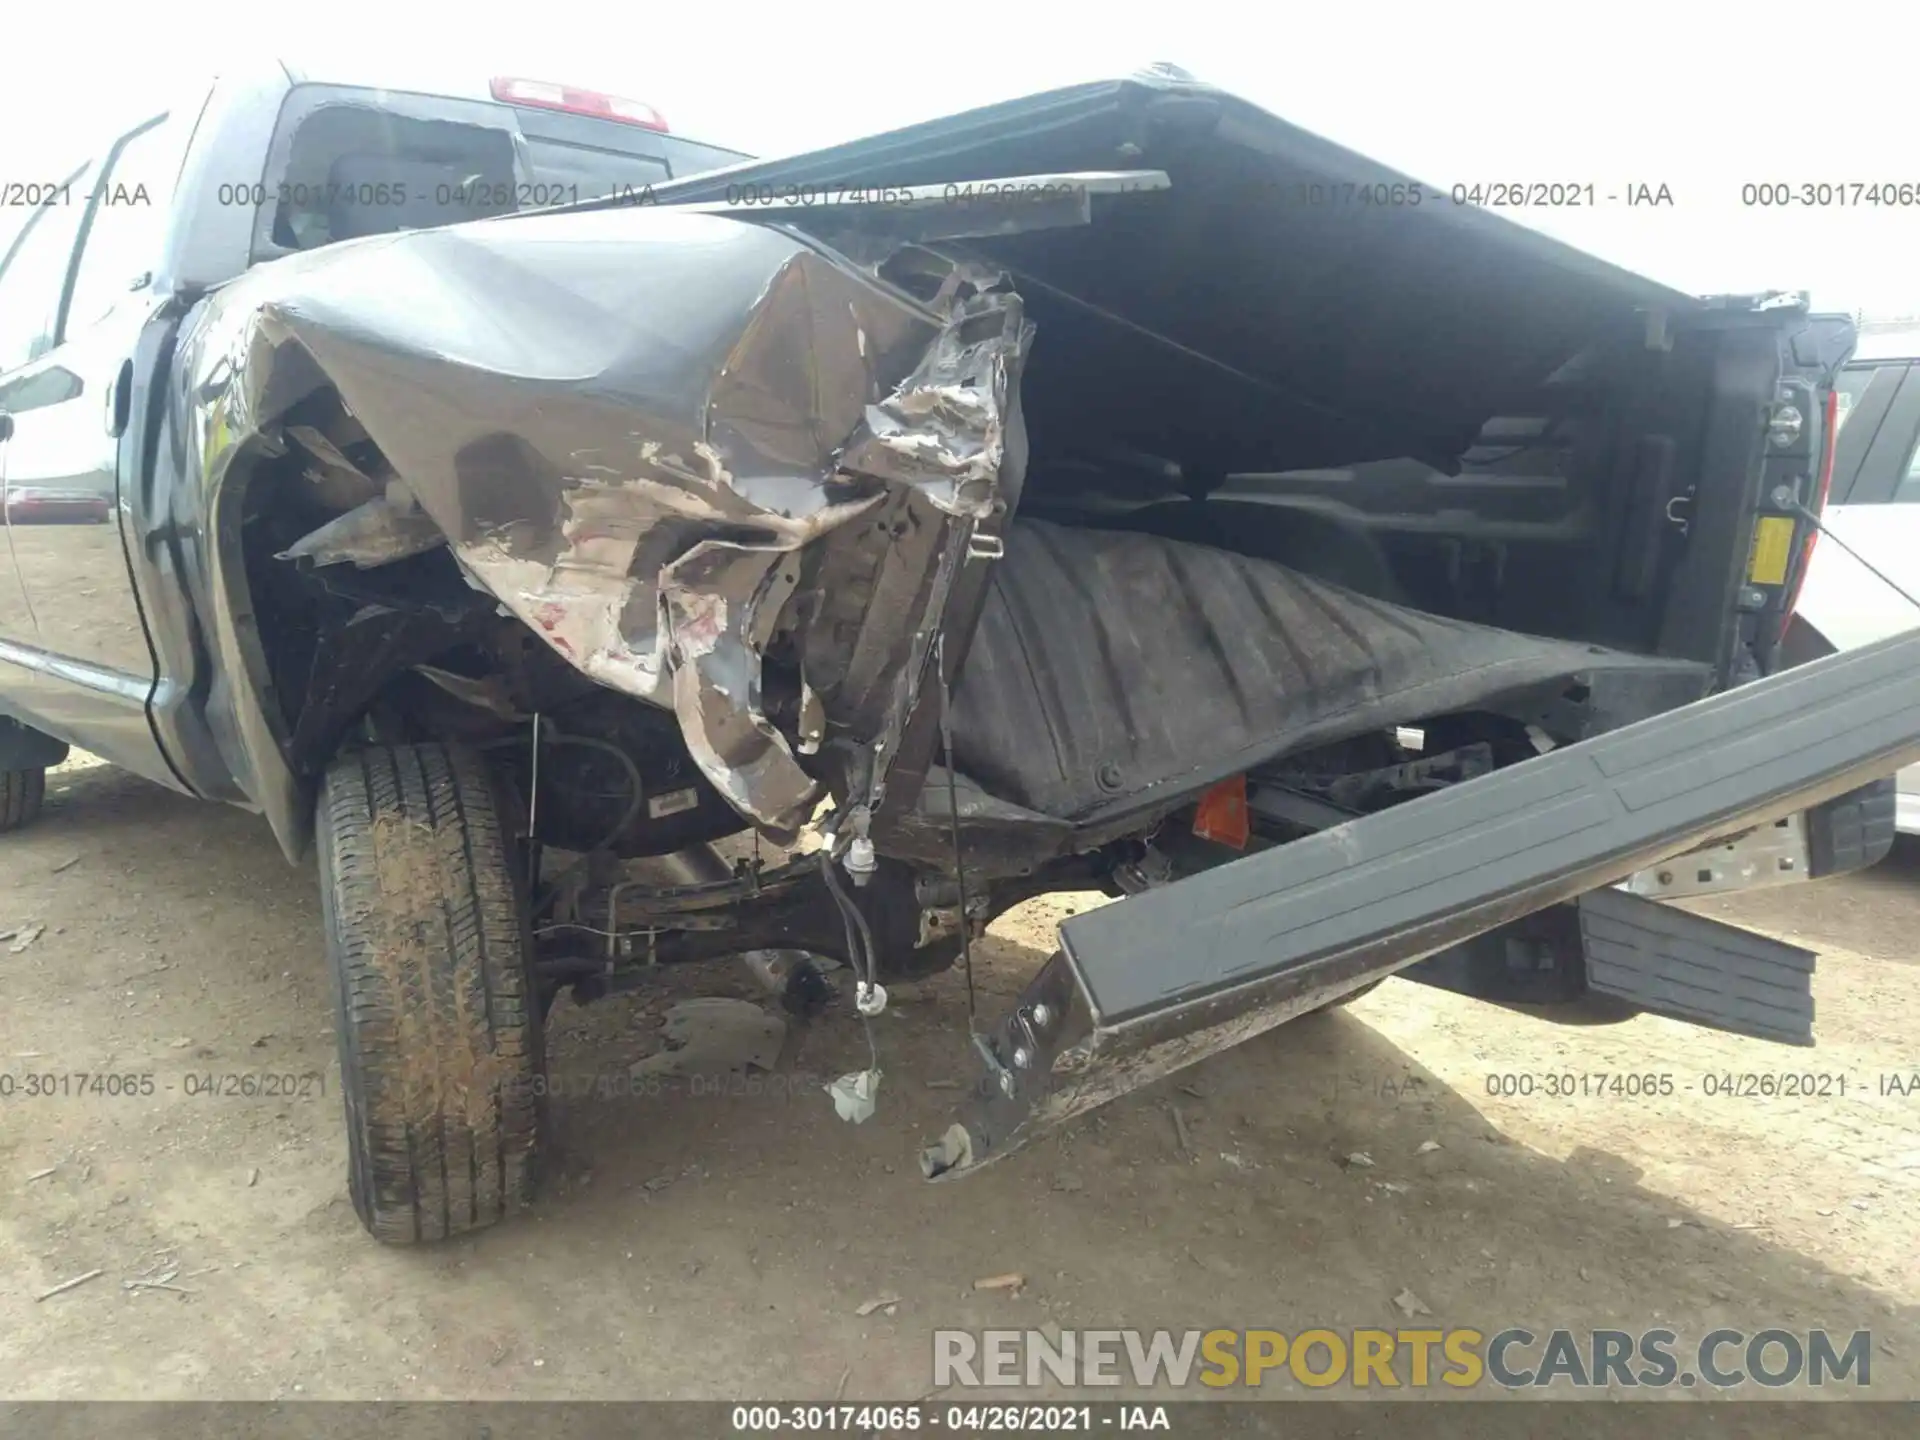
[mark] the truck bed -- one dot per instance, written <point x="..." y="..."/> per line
<point x="1112" y="669"/>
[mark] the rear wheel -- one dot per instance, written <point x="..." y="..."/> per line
<point x="21" y="792"/>
<point x="439" y="1026"/>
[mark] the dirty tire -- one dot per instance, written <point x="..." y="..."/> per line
<point x="21" y="792"/>
<point x="439" y="1026"/>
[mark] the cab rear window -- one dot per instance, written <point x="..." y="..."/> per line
<point x="570" y="173"/>
<point x="603" y="158"/>
<point x="350" y="162"/>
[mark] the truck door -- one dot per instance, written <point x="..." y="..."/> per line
<point x="68" y="411"/>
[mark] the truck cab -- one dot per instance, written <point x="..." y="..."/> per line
<point x="102" y="251"/>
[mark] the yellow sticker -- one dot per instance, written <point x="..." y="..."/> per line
<point x="1772" y="547"/>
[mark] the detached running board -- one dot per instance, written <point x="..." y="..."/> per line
<point x="1161" y="980"/>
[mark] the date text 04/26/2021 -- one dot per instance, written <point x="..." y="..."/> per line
<point x="87" y="1085"/>
<point x="898" y="1419"/>
<point x="1710" y="1085"/>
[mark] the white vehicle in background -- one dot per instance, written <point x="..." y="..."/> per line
<point x="1874" y="507"/>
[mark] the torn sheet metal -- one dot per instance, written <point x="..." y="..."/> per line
<point x="625" y="424"/>
<point x="379" y="531"/>
<point x="337" y="481"/>
<point x="943" y="429"/>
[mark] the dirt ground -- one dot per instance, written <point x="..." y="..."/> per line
<point x="694" y="1246"/>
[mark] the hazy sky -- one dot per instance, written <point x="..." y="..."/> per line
<point x="1702" y="98"/>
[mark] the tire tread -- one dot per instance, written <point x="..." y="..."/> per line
<point x="21" y="795"/>
<point x="440" y="1044"/>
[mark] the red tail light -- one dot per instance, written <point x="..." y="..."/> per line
<point x="1830" y="418"/>
<point x="542" y="96"/>
<point x="1222" y="815"/>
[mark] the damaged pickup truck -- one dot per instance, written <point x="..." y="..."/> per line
<point x="1115" y="489"/>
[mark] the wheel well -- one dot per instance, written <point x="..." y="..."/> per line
<point x="333" y="639"/>
<point x="407" y="651"/>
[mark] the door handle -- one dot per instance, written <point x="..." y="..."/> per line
<point x="6" y="426"/>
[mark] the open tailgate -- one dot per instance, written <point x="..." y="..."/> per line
<point x="1163" y="979"/>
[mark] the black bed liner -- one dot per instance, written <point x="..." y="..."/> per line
<point x="1110" y="669"/>
<point x="1163" y="979"/>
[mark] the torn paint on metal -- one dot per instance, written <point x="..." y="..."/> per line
<point x="625" y="425"/>
<point x="339" y="483"/>
<point x="375" y="532"/>
<point x="943" y="429"/>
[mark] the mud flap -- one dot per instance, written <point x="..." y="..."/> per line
<point x="1161" y="980"/>
<point x="1692" y="968"/>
